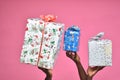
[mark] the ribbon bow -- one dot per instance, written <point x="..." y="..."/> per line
<point x="98" y="36"/>
<point x="48" y="18"/>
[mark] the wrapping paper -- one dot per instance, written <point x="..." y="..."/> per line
<point x="100" y="51"/>
<point x="41" y="43"/>
<point x="71" y="39"/>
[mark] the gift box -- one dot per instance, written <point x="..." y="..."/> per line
<point x="100" y="51"/>
<point x="41" y="42"/>
<point x="71" y="38"/>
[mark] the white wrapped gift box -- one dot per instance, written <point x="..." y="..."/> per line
<point x="100" y="51"/>
<point x="41" y="42"/>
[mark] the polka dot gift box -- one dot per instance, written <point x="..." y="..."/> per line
<point x="42" y="41"/>
<point x="100" y="51"/>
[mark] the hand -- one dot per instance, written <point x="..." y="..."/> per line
<point x="73" y="56"/>
<point x="48" y="73"/>
<point x="91" y="71"/>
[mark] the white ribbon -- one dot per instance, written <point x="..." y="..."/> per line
<point x="98" y="36"/>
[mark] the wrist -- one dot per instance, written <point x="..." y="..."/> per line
<point x="89" y="77"/>
<point x="49" y="75"/>
<point x="77" y="62"/>
<point x="48" y="78"/>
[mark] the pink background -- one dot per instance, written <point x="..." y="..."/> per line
<point x="93" y="16"/>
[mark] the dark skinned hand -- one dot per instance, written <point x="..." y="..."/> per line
<point x="48" y="73"/>
<point x="73" y="56"/>
<point x="91" y="71"/>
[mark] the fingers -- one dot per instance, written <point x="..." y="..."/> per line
<point x="100" y="67"/>
<point x="43" y="69"/>
<point x="96" y="67"/>
<point x="48" y="72"/>
<point x="70" y="54"/>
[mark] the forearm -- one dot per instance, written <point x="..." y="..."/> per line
<point x="81" y="71"/>
<point x="48" y="78"/>
<point x="89" y="78"/>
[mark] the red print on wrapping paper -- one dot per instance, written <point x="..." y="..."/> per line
<point x="40" y="56"/>
<point x="37" y="43"/>
<point x="36" y="53"/>
<point x="49" y="35"/>
<point x="48" y="57"/>
<point x="46" y="45"/>
<point x="36" y="36"/>
<point x="32" y="45"/>
<point x="60" y="29"/>
<point x="47" y="39"/>
<point x="41" y="22"/>
<point x="26" y="28"/>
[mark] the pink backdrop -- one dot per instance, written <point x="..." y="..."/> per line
<point x="92" y="17"/>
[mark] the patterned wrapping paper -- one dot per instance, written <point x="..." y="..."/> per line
<point x="71" y="39"/>
<point x="100" y="51"/>
<point x="41" y="36"/>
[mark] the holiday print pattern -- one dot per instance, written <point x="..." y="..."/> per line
<point x="33" y="42"/>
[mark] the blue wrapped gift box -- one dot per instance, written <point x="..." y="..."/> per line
<point x="71" y="38"/>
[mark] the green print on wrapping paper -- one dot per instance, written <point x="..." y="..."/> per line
<point x="23" y="56"/>
<point x="54" y="55"/>
<point x="29" y="40"/>
<point x="52" y="42"/>
<point x="34" y="38"/>
<point x="25" y="52"/>
<point x="45" y="50"/>
<point x="31" y="60"/>
<point x="54" y="31"/>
